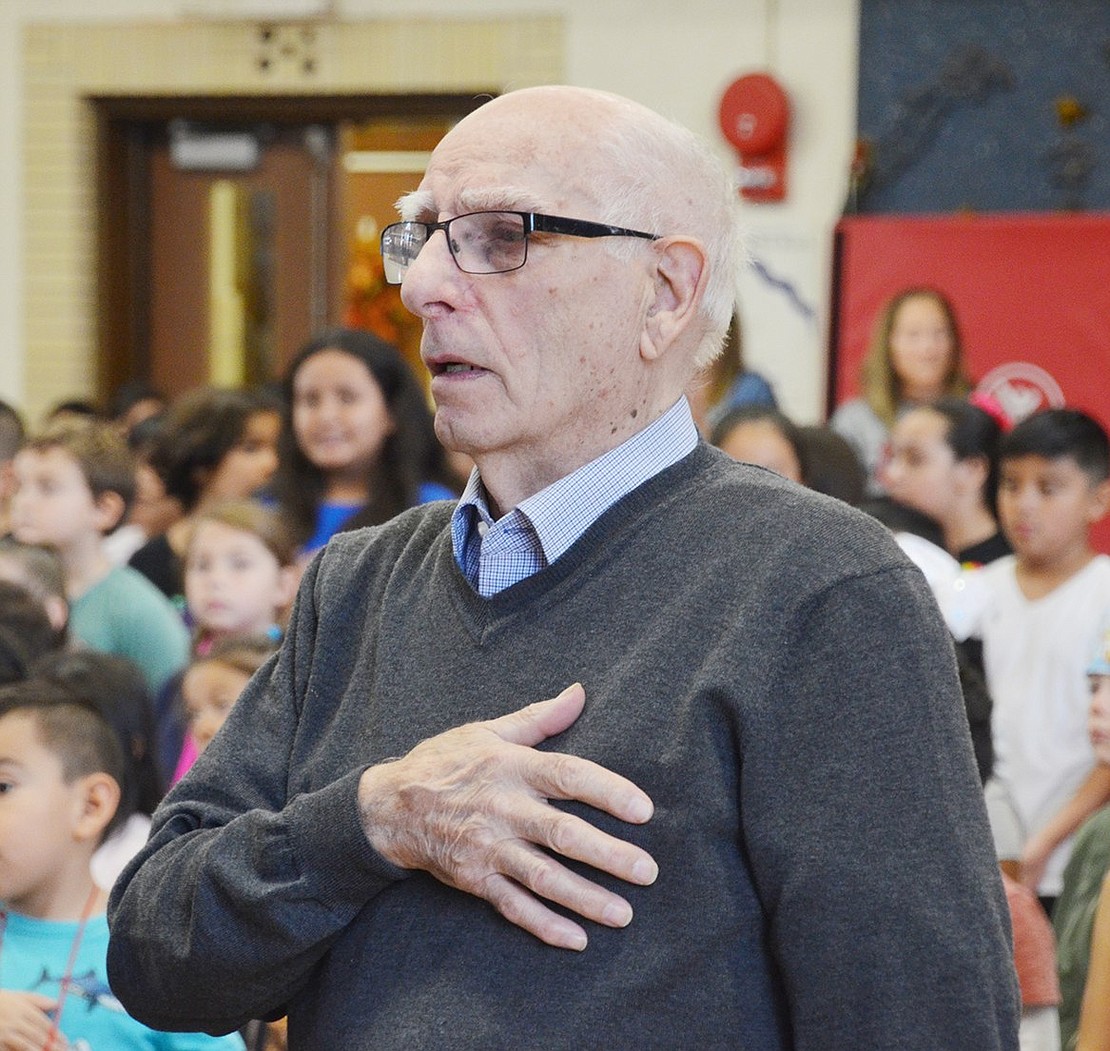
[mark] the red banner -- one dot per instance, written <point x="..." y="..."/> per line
<point x="1032" y="293"/>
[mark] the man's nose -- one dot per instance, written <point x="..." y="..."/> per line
<point x="431" y="277"/>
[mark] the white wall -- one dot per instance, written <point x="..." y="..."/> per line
<point x="677" y="58"/>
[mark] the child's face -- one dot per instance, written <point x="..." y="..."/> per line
<point x="762" y="443"/>
<point x="210" y="690"/>
<point x="251" y="463"/>
<point x="53" y="503"/>
<point x="233" y="582"/>
<point x="922" y="471"/>
<point x="340" y="417"/>
<point x="1098" y="718"/>
<point x="37" y="812"/>
<point x="1046" y="507"/>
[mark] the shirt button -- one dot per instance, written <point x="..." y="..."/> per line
<point x="483" y="527"/>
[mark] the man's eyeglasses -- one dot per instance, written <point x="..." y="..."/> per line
<point x="485" y="242"/>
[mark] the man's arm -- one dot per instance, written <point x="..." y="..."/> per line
<point x="866" y="831"/>
<point x="243" y="887"/>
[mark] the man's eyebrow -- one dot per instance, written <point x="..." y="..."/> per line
<point x="500" y="198"/>
<point x="420" y="204"/>
<point x="415" y="205"/>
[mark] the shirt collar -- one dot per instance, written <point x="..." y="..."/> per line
<point x="562" y="512"/>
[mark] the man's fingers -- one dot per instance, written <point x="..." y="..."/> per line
<point x="556" y="775"/>
<point x="529" y="726"/>
<point x="559" y="776"/>
<point x="526" y="911"/>
<point x="572" y="837"/>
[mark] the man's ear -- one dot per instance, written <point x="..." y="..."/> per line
<point x="95" y="804"/>
<point x="679" y="283"/>
<point x="110" y="507"/>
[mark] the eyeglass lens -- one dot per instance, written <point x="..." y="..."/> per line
<point x="481" y="243"/>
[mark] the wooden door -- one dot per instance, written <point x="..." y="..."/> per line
<point x="282" y="236"/>
<point x="241" y="264"/>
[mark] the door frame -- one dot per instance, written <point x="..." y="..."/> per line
<point x="125" y="126"/>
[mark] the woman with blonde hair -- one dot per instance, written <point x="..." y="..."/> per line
<point x="916" y="356"/>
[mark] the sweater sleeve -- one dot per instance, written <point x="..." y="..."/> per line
<point x="867" y="835"/>
<point x="243" y="884"/>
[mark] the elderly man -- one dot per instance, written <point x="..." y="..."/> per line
<point x="753" y="737"/>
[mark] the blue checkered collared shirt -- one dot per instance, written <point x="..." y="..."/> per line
<point x="495" y="555"/>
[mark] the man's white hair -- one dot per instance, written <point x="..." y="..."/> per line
<point x="658" y="176"/>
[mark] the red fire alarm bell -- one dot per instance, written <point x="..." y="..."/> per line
<point x="755" y="116"/>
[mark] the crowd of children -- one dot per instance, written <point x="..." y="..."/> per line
<point x="121" y="658"/>
<point x="147" y="566"/>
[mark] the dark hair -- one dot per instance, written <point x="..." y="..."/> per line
<point x="830" y="464"/>
<point x="1061" y="434"/>
<point x="72" y="728"/>
<point x="411" y="454"/>
<point x="25" y="632"/>
<point x="198" y="431"/>
<point x="758" y="413"/>
<point x="117" y="688"/>
<point x="144" y="436"/>
<point x="12" y="431"/>
<point x="971" y="433"/>
<point x="899" y="518"/>
<point x="129" y="394"/>
<point x="79" y="407"/>
<point x="106" y="463"/>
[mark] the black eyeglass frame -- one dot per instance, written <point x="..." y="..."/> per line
<point x="534" y="222"/>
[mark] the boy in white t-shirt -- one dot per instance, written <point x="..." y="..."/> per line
<point x="1037" y="612"/>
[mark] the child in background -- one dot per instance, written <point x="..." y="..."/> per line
<point x="212" y="445"/>
<point x="1029" y="609"/>
<point x="240" y="578"/>
<point x="11" y="438"/>
<point x="26" y="633"/>
<point x="1082" y="918"/>
<point x="212" y="684"/>
<point x="73" y="486"/>
<point x="762" y="435"/>
<point x="38" y="570"/>
<point x="118" y="690"/>
<point x="209" y="689"/>
<point x="240" y="572"/>
<point x="944" y="463"/>
<point x="357" y="446"/>
<point x="60" y="773"/>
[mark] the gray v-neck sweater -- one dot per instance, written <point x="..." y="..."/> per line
<point x="761" y="660"/>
